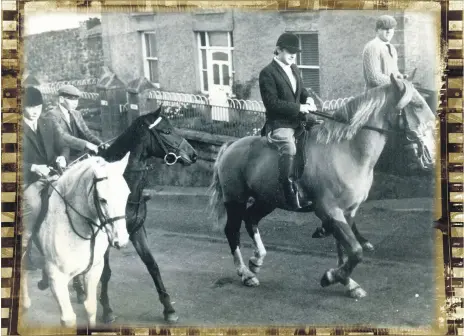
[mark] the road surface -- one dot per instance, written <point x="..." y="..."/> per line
<point x="198" y="271"/>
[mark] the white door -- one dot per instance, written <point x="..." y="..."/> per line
<point x="219" y="71"/>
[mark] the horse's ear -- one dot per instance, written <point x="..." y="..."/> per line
<point x="397" y="84"/>
<point x="120" y="166"/>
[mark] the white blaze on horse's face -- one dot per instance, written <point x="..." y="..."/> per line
<point x="113" y="193"/>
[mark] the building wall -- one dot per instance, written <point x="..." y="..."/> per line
<point x="63" y="55"/>
<point x="175" y="42"/>
<point x="422" y="41"/>
<point x="342" y="36"/>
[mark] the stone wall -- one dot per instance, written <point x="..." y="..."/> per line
<point x="385" y="185"/>
<point x="69" y="54"/>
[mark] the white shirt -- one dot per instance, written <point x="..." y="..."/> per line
<point x="289" y="72"/>
<point x="65" y="113"/>
<point x="31" y="123"/>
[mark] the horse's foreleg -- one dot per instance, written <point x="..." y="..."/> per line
<point x="108" y="315"/>
<point x="59" y="288"/>
<point x="235" y="214"/>
<point x="25" y="299"/>
<point x="252" y="217"/>
<point x="347" y="240"/>
<point x="139" y="240"/>
<point x="91" y="282"/>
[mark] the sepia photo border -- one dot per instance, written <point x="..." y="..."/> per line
<point x="449" y="218"/>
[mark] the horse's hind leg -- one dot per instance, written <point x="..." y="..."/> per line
<point x="139" y="240"/>
<point x="78" y="285"/>
<point x="59" y="288"/>
<point x="235" y="215"/>
<point x="253" y="215"/>
<point x="108" y="315"/>
<point x="91" y="282"/>
<point x="366" y="245"/>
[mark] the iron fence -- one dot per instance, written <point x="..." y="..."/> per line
<point x="235" y="117"/>
<point x="221" y="120"/>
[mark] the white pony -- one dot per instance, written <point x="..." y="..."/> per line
<point x="86" y="214"/>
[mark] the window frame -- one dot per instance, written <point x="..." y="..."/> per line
<point x="147" y="59"/>
<point x="314" y="67"/>
<point x="207" y="47"/>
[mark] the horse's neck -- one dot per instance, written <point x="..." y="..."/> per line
<point x="367" y="146"/>
<point x="136" y="179"/>
<point x="74" y="213"/>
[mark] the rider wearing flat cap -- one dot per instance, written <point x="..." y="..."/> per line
<point x="75" y="132"/>
<point x="380" y="58"/>
<point x="286" y="102"/>
<point x="43" y="151"/>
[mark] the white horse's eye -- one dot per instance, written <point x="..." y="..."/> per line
<point x="102" y="200"/>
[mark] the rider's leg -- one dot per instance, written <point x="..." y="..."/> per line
<point x="284" y="139"/>
<point x="32" y="205"/>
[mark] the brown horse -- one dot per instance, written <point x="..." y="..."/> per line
<point x="340" y="159"/>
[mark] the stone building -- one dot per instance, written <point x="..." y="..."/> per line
<point x="224" y="49"/>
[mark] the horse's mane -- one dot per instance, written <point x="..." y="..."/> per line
<point x="128" y="139"/>
<point x="354" y="114"/>
<point x="125" y="141"/>
<point x="72" y="178"/>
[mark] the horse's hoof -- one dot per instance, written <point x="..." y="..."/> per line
<point x="43" y="285"/>
<point x="367" y="246"/>
<point x="327" y="279"/>
<point x="251" y="282"/>
<point x="68" y="323"/>
<point x="357" y="293"/>
<point x="253" y="267"/>
<point x="81" y="298"/>
<point x="171" y="317"/>
<point x="109" y="318"/>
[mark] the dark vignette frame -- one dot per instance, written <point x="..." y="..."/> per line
<point x="450" y="224"/>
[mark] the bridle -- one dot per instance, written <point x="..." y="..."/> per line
<point x="170" y="157"/>
<point x="415" y="145"/>
<point x="96" y="227"/>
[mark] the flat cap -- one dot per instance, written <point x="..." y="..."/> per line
<point x="385" y="22"/>
<point x="32" y="97"/>
<point x="69" y="90"/>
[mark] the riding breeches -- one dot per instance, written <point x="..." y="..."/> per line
<point x="32" y="206"/>
<point x="284" y="139"/>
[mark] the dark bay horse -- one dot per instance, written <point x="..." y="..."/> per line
<point x="149" y="136"/>
<point x="340" y="159"/>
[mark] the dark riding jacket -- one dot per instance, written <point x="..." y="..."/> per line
<point x="41" y="147"/>
<point x="281" y="103"/>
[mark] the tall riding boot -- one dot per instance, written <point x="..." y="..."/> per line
<point x="285" y="178"/>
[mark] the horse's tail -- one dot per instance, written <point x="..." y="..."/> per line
<point x="215" y="190"/>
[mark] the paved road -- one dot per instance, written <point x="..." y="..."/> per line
<point x="198" y="272"/>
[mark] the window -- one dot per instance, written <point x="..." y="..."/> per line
<point x="150" y="60"/>
<point x="215" y="52"/>
<point x="308" y="60"/>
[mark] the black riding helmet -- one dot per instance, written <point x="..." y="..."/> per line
<point x="289" y="42"/>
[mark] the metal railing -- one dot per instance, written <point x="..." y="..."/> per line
<point x="235" y="117"/>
